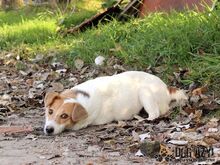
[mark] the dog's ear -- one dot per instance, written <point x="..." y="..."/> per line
<point x="49" y="98"/>
<point x="79" y="113"/>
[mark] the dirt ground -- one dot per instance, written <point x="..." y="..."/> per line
<point x="68" y="148"/>
<point x="23" y="85"/>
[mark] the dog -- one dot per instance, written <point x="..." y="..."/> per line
<point x="106" y="99"/>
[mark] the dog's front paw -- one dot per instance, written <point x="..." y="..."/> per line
<point x="153" y="116"/>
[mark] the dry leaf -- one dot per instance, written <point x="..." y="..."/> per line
<point x="135" y="136"/>
<point x="29" y="82"/>
<point x="144" y="136"/>
<point x="189" y="110"/>
<point x="61" y="71"/>
<point x="210" y="141"/>
<point x="119" y="67"/>
<point x="178" y="142"/>
<point x="58" y="87"/>
<point x="199" y="91"/>
<point x="79" y="63"/>
<point x="213" y="130"/>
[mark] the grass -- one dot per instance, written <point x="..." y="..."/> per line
<point x="31" y="32"/>
<point x="30" y="25"/>
<point x="187" y="40"/>
<point x="173" y="37"/>
<point x="35" y="28"/>
<point x="85" y="9"/>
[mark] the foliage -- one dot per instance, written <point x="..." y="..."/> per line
<point x="108" y="3"/>
<point x="76" y="18"/>
<point x="174" y="40"/>
<point x="187" y="40"/>
<point x="84" y="10"/>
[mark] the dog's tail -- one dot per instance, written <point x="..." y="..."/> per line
<point x="177" y="95"/>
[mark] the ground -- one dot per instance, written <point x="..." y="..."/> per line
<point x="67" y="148"/>
<point x="23" y="86"/>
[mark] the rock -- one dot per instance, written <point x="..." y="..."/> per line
<point x="150" y="148"/>
<point x="99" y="61"/>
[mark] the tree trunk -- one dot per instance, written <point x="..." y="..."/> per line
<point x="53" y="3"/>
<point x="63" y="4"/>
<point x="17" y="3"/>
<point x="12" y="4"/>
<point x="5" y="4"/>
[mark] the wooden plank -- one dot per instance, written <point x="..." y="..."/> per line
<point x="105" y="16"/>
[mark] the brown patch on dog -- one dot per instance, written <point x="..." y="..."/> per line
<point x="172" y="90"/>
<point x="79" y="113"/>
<point x="50" y="97"/>
<point x="68" y="110"/>
<point x="55" y="106"/>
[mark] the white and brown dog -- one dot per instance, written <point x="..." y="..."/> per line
<point x="105" y="99"/>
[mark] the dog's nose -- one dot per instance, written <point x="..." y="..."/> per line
<point x="49" y="129"/>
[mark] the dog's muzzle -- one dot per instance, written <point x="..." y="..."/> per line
<point x="52" y="128"/>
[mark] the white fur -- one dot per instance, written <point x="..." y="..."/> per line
<point x="58" y="128"/>
<point x="70" y="100"/>
<point x="179" y="96"/>
<point x="120" y="97"/>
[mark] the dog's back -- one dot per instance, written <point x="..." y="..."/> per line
<point x="117" y="97"/>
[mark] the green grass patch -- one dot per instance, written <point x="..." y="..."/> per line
<point x="173" y="37"/>
<point x="76" y="18"/>
<point x="29" y="25"/>
<point x="84" y="10"/>
<point x="188" y="39"/>
<point x="31" y="32"/>
<point x="32" y="28"/>
<point x="28" y="13"/>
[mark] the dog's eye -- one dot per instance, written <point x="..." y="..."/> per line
<point x="50" y="111"/>
<point x="64" y="116"/>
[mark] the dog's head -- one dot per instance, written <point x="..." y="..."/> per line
<point x="62" y="111"/>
